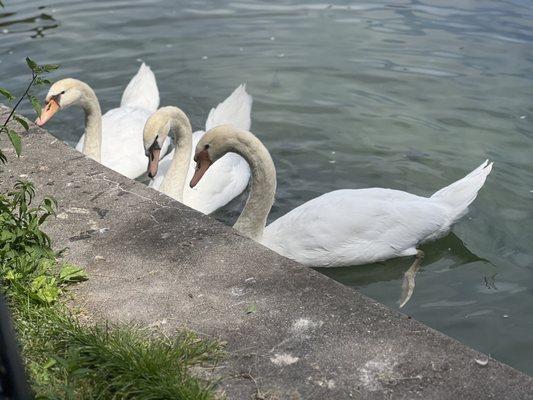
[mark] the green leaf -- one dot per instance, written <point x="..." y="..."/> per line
<point x="50" y="67"/>
<point x="49" y="293"/>
<point x="32" y="64"/>
<point x="38" y="283"/>
<point x="7" y="94"/>
<point x="22" y="122"/>
<point x="71" y="273"/>
<point x="15" y="141"/>
<point x="42" y="81"/>
<point x="35" y="104"/>
<point x="10" y="275"/>
<point x="50" y="363"/>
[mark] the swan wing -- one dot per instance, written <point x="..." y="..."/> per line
<point x="79" y="145"/>
<point x="122" y="145"/>
<point x="235" y="110"/>
<point x="351" y="227"/>
<point x="142" y="91"/>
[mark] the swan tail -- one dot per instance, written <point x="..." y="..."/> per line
<point x="235" y="110"/>
<point x="460" y="194"/>
<point x="142" y="91"/>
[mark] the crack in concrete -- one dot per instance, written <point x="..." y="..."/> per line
<point x="119" y="187"/>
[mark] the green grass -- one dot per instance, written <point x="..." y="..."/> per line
<point x="67" y="359"/>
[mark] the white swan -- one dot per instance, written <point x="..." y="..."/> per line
<point x="343" y="227"/>
<point x="114" y="139"/>
<point x="221" y="184"/>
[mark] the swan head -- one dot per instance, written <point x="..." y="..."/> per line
<point x="62" y="94"/>
<point x="213" y="145"/>
<point x="156" y="131"/>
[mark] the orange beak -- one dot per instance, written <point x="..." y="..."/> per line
<point x="203" y="162"/>
<point x="48" y="112"/>
<point x="153" y="162"/>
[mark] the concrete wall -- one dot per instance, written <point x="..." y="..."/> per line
<point x="157" y="262"/>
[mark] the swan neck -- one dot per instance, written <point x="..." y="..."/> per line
<point x="176" y="176"/>
<point x="253" y="217"/>
<point x="92" y="145"/>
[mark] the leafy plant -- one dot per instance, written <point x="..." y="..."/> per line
<point x="38" y="78"/>
<point x="28" y="265"/>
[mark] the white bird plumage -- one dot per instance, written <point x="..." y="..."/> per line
<point x="361" y="226"/>
<point x="230" y="177"/>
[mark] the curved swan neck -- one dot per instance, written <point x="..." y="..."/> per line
<point x="92" y="145"/>
<point x="253" y="217"/>
<point x="176" y="176"/>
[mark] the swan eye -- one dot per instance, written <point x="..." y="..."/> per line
<point x="154" y="146"/>
<point x="63" y="92"/>
<point x="206" y="146"/>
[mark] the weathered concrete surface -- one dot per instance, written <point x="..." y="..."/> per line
<point x="155" y="261"/>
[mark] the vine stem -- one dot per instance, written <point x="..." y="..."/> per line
<point x="34" y="76"/>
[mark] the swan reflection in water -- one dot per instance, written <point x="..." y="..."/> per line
<point x="450" y="250"/>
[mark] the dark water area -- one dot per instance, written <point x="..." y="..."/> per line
<point x="410" y="95"/>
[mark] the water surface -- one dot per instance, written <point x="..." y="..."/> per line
<point x="410" y="95"/>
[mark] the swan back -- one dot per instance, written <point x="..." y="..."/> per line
<point x="142" y="91"/>
<point x="351" y="227"/>
<point x="235" y="110"/>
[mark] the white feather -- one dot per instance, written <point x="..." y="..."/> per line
<point x="235" y="110"/>
<point x="459" y="195"/>
<point x="142" y="91"/>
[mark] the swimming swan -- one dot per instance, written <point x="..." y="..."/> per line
<point x="344" y="227"/>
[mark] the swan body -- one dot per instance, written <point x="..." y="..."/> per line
<point x="343" y="227"/>
<point x="122" y="148"/>
<point x="231" y="175"/>
<point x="115" y="138"/>
<point x="361" y="226"/>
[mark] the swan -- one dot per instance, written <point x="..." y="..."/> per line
<point x="221" y="184"/>
<point x="114" y="139"/>
<point x="344" y="227"/>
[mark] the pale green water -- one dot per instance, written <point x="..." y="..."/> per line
<point x="410" y="96"/>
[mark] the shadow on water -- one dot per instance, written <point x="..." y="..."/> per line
<point x="449" y="249"/>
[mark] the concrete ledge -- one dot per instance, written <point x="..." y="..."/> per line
<point x="155" y="261"/>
